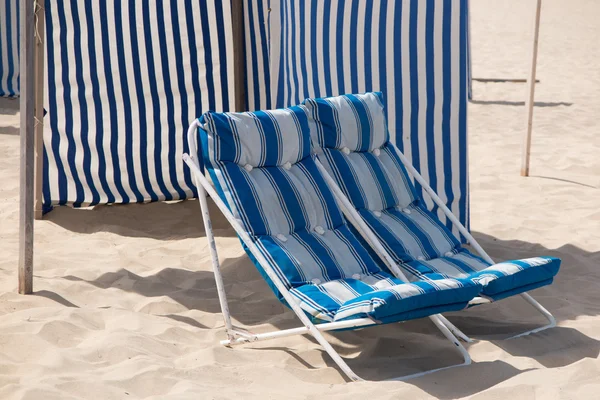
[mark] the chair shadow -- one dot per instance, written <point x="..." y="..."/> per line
<point x="395" y="350"/>
<point x="252" y="304"/>
<point x="553" y="348"/>
<point x="520" y="103"/>
<point x="246" y="291"/>
<point x="158" y="220"/>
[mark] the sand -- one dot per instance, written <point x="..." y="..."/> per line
<point x="125" y="305"/>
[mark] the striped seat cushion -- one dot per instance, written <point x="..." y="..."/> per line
<point x="261" y="166"/>
<point x="383" y="297"/>
<point x="351" y="140"/>
<point x="498" y="281"/>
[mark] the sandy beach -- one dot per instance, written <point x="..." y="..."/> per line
<point x="125" y="305"/>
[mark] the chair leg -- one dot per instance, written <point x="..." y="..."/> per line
<point x="457" y="332"/>
<point x="543" y="311"/>
<point x="215" y="261"/>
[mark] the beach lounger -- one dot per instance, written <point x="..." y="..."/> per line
<point x="269" y="188"/>
<point x="371" y="180"/>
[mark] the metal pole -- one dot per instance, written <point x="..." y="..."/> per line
<point x="27" y="131"/>
<point x="531" y="92"/>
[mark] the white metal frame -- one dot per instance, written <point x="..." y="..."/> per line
<point x="356" y="220"/>
<point x="240" y="336"/>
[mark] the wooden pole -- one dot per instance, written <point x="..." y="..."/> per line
<point x="27" y="131"/>
<point x="239" y="61"/>
<point x="526" y="152"/>
<point x="39" y="106"/>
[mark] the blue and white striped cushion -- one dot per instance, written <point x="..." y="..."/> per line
<point x="262" y="168"/>
<point x="382" y="297"/>
<point x="367" y="168"/>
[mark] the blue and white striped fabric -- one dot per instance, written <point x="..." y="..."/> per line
<point x="9" y="48"/>
<point x="262" y="167"/>
<point x="124" y="80"/>
<point x="414" y="51"/>
<point x="351" y="140"/>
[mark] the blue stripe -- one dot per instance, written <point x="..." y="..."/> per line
<point x="155" y="109"/>
<point x="367" y="48"/>
<point x="270" y="148"/>
<point x="3" y="91"/>
<point x="222" y="52"/>
<point x="362" y="112"/>
<point x="68" y="109"/>
<point x="166" y="53"/>
<point x="208" y="57"/>
<point x="112" y="104"/>
<point x="344" y="173"/>
<point x="381" y="179"/>
<point x="447" y="106"/>
<point x="53" y="107"/>
<point x="339" y="44"/>
<point x="129" y="151"/>
<point x="181" y="90"/>
<point x="353" y="61"/>
<point x="327" y="73"/>
<point x="9" y="49"/>
<point x="141" y="102"/>
<point x="97" y="100"/>
<point x="83" y="108"/>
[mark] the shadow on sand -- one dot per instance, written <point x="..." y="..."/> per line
<point x="573" y="294"/>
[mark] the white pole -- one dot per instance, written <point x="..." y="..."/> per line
<point x="531" y="92"/>
<point x="27" y="132"/>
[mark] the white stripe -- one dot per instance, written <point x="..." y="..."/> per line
<point x="422" y="95"/>
<point x="455" y="102"/>
<point x="360" y="44"/>
<point x="438" y="65"/>
<point x="375" y="47"/>
<point x="406" y="83"/>
<point x="320" y="65"/>
<point x="333" y="50"/>
<point x="60" y="114"/>
<point x="346" y="55"/>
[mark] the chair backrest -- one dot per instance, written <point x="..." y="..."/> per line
<point x="262" y="167"/>
<point x="352" y="141"/>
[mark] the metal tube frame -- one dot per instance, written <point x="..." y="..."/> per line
<point x="370" y="237"/>
<point x="236" y="336"/>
